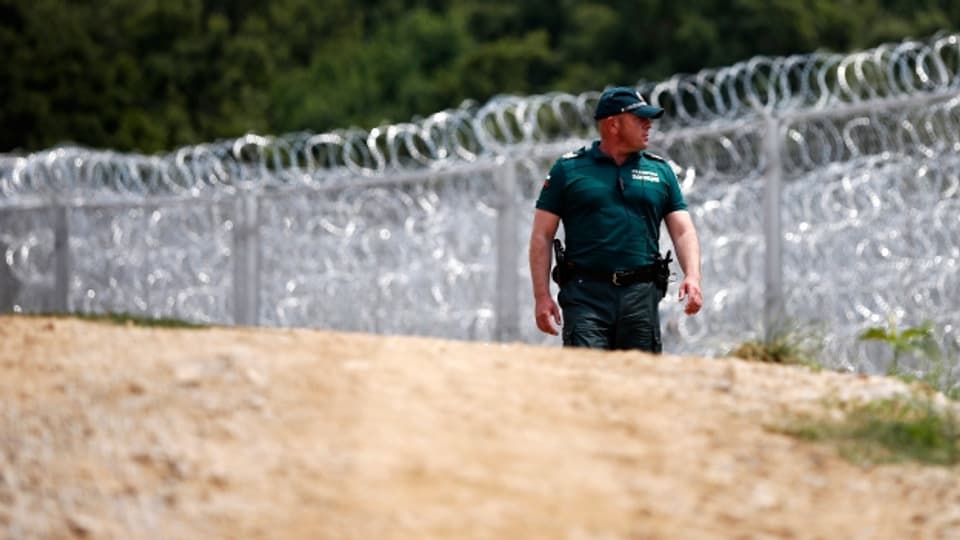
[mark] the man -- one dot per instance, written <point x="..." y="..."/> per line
<point x="612" y="198"/>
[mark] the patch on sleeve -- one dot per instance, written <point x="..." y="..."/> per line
<point x="546" y="182"/>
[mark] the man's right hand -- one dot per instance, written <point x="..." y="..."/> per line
<point x="548" y="313"/>
<point x="541" y="236"/>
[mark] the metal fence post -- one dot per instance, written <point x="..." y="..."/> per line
<point x="507" y="300"/>
<point x="61" y="250"/>
<point x="773" y="303"/>
<point x="246" y="260"/>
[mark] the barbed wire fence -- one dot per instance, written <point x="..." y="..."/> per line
<point x="824" y="187"/>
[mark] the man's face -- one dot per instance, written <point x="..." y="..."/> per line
<point x="634" y="131"/>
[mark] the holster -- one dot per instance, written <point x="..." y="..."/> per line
<point x="560" y="273"/>
<point x="662" y="266"/>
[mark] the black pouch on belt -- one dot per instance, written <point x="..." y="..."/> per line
<point x="662" y="266"/>
<point x="560" y="273"/>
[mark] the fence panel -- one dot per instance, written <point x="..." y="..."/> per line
<point x="415" y="257"/>
<point x="157" y="260"/>
<point x="28" y="259"/>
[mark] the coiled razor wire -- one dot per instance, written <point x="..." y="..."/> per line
<point x="761" y="85"/>
<point x="400" y="228"/>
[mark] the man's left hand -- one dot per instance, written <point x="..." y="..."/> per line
<point x="690" y="289"/>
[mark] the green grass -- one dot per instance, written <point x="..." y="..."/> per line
<point x="896" y="430"/>
<point x="123" y="319"/>
<point x="789" y="346"/>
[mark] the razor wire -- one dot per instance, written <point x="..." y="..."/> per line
<point x="761" y="85"/>
<point x="393" y="230"/>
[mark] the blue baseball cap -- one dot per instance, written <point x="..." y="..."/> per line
<point x="621" y="99"/>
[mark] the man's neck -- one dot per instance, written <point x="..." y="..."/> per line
<point x="618" y="154"/>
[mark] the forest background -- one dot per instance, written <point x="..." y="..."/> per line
<point x="153" y="75"/>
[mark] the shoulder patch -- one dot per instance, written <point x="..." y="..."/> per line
<point x="574" y="154"/>
<point x="653" y="156"/>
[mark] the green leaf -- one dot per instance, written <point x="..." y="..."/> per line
<point x="876" y="333"/>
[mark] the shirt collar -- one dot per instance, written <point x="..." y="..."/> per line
<point x="597" y="155"/>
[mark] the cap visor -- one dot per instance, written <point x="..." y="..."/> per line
<point x="648" y="111"/>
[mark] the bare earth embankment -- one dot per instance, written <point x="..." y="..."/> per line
<point x="124" y="432"/>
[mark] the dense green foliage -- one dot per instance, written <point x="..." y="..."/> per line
<point x="151" y="75"/>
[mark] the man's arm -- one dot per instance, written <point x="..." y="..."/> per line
<point x="687" y="245"/>
<point x="545" y="226"/>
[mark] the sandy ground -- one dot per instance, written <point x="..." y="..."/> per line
<point x="122" y="432"/>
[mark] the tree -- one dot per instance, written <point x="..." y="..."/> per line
<point x="151" y="75"/>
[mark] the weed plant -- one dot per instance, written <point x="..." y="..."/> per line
<point x="788" y="345"/>
<point x="931" y="365"/>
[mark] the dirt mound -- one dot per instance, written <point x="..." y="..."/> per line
<point x="127" y="432"/>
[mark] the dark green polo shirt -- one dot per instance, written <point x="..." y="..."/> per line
<point x="606" y="228"/>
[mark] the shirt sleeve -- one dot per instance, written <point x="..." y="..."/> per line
<point x="675" y="200"/>
<point x="551" y="194"/>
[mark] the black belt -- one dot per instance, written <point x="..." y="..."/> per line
<point x="619" y="277"/>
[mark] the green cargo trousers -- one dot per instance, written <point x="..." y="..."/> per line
<point x="601" y="315"/>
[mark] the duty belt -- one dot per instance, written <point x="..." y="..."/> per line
<point x="619" y="278"/>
